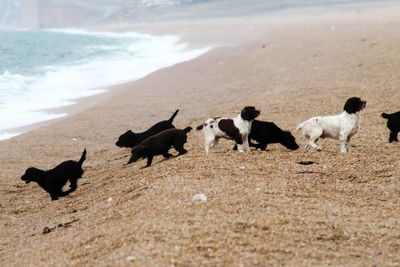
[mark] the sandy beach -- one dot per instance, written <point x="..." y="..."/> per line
<point x="262" y="208"/>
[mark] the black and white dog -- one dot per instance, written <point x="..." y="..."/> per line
<point x="237" y="128"/>
<point x="393" y="124"/>
<point x="131" y="139"/>
<point x="341" y="127"/>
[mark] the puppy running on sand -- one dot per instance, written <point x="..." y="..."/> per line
<point x="393" y="124"/>
<point x="341" y="127"/>
<point x="237" y="128"/>
<point x="131" y="139"/>
<point x="160" y="144"/>
<point x="52" y="181"/>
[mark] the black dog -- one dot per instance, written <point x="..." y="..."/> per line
<point x="52" y="181"/>
<point x="159" y="144"/>
<point x="393" y="124"/>
<point x="131" y="139"/>
<point x="264" y="133"/>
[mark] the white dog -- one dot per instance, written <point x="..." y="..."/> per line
<point x="341" y="127"/>
<point x="237" y="128"/>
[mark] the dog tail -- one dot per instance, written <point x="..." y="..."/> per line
<point x="173" y="116"/>
<point x="385" y="115"/>
<point x="301" y="126"/>
<point x="206" y="123"/>
<point x="187" y="129"/>
<point x="83" y="157"/>
<point x="200" y="127"/>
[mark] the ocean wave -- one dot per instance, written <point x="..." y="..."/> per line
<point x="27" y="99"/>
<point x="152" y="3"/>
<point x="116" y="35"/>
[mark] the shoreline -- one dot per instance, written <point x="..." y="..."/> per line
<point x="81" y="102"/>
<point x="262" y="208"/>
<point x="196" y="41"/>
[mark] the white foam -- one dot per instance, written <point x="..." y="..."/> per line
<point x="152" y="3"/>
<point x="5" y="136"/>
<point x="25" y="99"/>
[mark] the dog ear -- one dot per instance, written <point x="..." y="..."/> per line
<point x="353" y="105"/>
<point x="249" y="113"/>
<point x="187" y="129"/>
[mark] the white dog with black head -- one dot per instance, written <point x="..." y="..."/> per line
<point x="341" y="127"/>
<point x="237" y="129"/>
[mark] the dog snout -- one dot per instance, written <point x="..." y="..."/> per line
<point x="25" y="178"/>
<point x="132" y="159"/>
<point x="364" y="104"/>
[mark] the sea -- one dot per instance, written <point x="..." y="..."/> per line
<point x="43" y="70"/>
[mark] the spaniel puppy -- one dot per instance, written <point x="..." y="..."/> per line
<point x="131" y="139"/>
<point x="52" y="181"/>
<point x="341" y="127"/>
<point x="159" y="144"/>
<point x="237" y="128"/>
<point x="393" y="124"/>
<point x="265" y="132"/>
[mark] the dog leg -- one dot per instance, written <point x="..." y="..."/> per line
<point x="73" y="186"/>
<point x="313" y="138"/>
<point x="53" y="195"/>
<point x="311" y="145"/>
<point x="149" y="160"/>
<point x="240" y="148"/>
<point x="393" y="137"/>
<point x="348" y="145"/>
<point x="344" y="143"/>
<point x="246" y="145"/>
<point x="182" y="151"/>
<point x="214" y="144"/>
<point x="167" y="155"/>
<point x="208" y="143"/>
<point x="262" y="146"/>
<point x="63" y="194"/>
<point x="179" y="146"/>
<point x="239" y="142"/>
<point x="343" y="146"/>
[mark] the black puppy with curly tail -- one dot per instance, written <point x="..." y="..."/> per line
<point x="52" y="181"/>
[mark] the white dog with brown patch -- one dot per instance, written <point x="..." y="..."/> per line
<point x="341" y="127"/>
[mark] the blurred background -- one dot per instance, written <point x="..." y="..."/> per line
<point x="84" y="13"/>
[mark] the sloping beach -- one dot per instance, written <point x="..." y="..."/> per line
<point x="263" y="208"/>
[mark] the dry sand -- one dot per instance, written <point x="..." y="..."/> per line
<point x="263" y="208"/>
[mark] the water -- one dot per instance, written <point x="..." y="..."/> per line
<point x="43" y="70"/>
